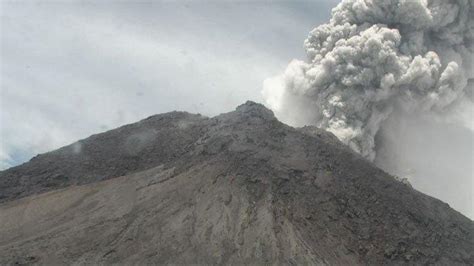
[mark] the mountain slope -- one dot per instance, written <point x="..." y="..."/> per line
<point x="237" y="188"/>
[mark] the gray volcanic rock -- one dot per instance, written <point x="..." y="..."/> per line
<point x="238" y="188"/>
<point x="153" y="141"/>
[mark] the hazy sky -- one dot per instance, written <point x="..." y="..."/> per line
<point x="72" y="69"/>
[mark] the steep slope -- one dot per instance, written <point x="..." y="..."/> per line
<point x="237" y="188"/>
<point x="156" y="140"/>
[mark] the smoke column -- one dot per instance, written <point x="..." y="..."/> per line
<point x="382" y="63"/>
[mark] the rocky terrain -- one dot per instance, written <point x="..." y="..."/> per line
<point x="238" y="188"/>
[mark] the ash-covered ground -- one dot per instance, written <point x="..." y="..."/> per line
<point x="238" y="188"/>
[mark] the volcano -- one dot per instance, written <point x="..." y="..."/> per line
<point x="237" y="188"/>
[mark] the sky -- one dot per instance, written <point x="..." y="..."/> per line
<point x="70" y="69"/>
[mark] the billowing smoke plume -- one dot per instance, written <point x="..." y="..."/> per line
<point x="376" y="58"/>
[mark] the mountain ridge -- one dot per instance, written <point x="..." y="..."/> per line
<point x="237" y="188"/>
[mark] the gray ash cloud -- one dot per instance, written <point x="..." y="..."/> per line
<point x="375" y="59"/>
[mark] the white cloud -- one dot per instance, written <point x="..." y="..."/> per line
<point x="71" y="69"/>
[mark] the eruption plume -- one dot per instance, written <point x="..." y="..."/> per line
<point x="375" y="59"/>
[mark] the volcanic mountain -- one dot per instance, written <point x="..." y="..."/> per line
<point x="238" y="188"/>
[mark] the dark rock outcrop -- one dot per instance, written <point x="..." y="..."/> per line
<point x="238" y="188"/>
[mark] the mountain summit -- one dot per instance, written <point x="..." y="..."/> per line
<point x="238" y="188"/>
